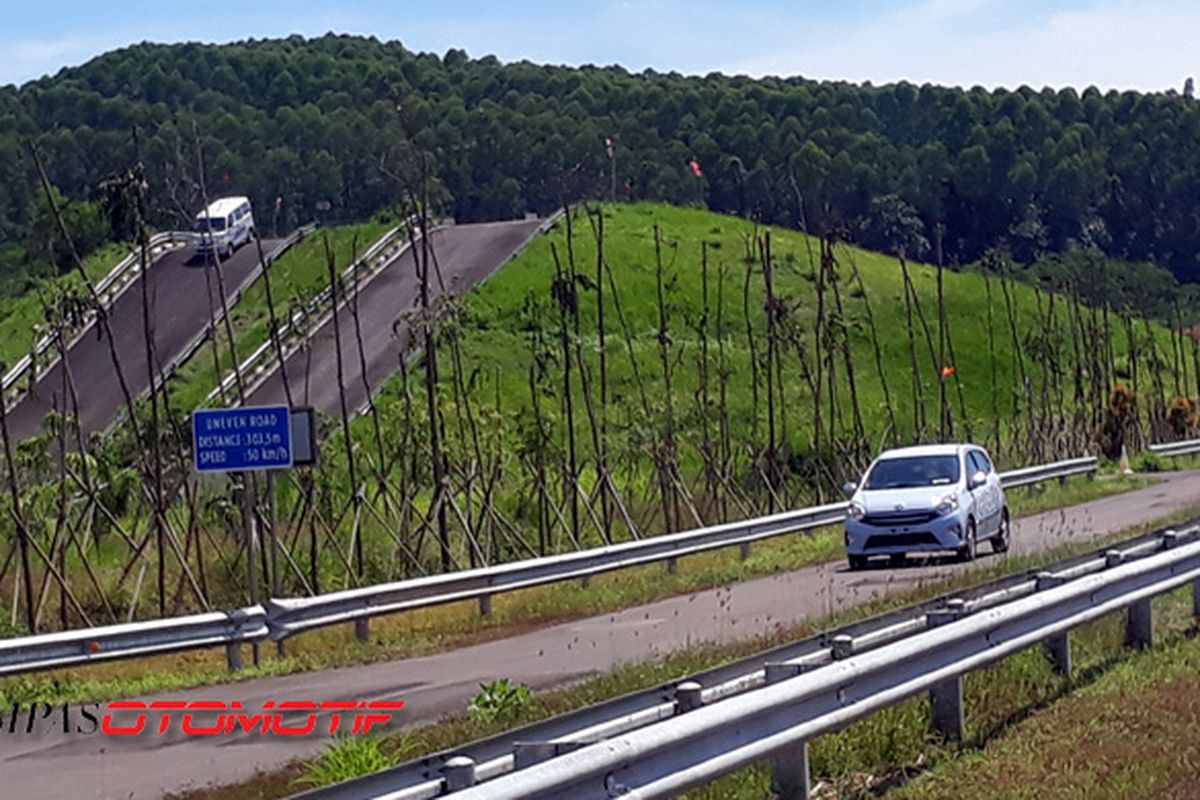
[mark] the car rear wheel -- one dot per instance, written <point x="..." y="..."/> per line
<point x="857" y="562"/>
<point x="968" y="549"/>
<point x="1001" y="540"/>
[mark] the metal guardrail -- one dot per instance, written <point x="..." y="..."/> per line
<point x="291" y="616"/>
<point x="1184" y="448"/>
<point x="300" y="324"/>
<point x="800" y="701"/>
<point x="287" y="617"/>
<point x="426" y="778"/>
<point x="108" y="291"/>
<point x="132" y="640"/>
<point x="1041" y="472"/>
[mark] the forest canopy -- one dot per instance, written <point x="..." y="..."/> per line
<point x="297" y="123"/>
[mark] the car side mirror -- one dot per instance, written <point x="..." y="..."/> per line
<point x="977" y="480"/>
<point x="849" y="488"/>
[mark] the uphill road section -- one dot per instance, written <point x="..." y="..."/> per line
<point x="464" y="256"/>
<point x="183" y="295"/>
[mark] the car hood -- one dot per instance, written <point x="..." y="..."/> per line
<point x="925" y="498"/>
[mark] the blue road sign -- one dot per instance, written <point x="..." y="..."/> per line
<point x="234" y="439"/>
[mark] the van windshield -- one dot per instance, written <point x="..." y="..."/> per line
<point x="913" y="472"/>
<point x="206" y="224"/>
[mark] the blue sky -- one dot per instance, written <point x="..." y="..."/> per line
<point x="1145" y="45"/>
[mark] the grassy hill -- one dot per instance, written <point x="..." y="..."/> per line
<point x="1029" y="373"/>
<point x="684" y="407"/>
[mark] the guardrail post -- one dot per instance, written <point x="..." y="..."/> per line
<point x="790" y="778"/>
<point x="946" y="699"/>
<point x="485" y="605"/>
<point x="1139" y="625"/>
<point x="672" y="566"/>
<point x="459" y="773"/>
<point x="362" y="629"/>
<point x="842" y="647"/>
<point x="1139" y="619"/>
<point x="744" y="550"/>
<point x="1057" y="648"/>
<point x="1172" y="539"/>
<point x="688" y="697"/>
<point x="233" y="656"/>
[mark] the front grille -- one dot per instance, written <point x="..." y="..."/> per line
<point x="901" y="540"/>
<point x="890" y="519"/>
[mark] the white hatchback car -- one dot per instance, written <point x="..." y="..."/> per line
<point x="944" y="497"/>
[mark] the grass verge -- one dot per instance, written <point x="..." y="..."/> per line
<point x="1132" y="732"/>
<point x="444" y="627"/>
<point x="20" y="317"/>
<point x="886" y="744"/>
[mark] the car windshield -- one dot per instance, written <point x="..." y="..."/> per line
<point x="913" y="472"/>
<point x="206" y="224"/>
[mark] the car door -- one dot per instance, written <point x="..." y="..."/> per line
<point x="992" y="493"/>
<point x="995" y="491"/>
<point x="981" y="495"/>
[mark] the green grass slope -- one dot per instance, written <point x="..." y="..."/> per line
<point x="23" y="317"/>
<point x="496" y="331"/>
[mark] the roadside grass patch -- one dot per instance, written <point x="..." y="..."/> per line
<point x="20" y="317"/>
<point x="350" y="756"/>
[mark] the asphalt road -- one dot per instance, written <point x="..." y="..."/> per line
<point x="179" y="297"/>
<point x="465" y="255"/>
<point x="55" y="765"/>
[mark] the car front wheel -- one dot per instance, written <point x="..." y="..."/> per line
<point x="857" y="562"/>
<point x="967" y="551"/>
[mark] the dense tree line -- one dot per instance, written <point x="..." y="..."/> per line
<point x="297" y="122"/>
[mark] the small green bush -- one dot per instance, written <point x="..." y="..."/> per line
<point x="1148" y="462"/>
<point x="348" y="757"/>
<point x="500" y="700"/>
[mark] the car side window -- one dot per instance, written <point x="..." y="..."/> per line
<point x="973" y="462"/>
<point x="984" y="463"/>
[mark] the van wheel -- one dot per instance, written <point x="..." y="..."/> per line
<point x="1000" y="541"/>
<point x="857" y="563"/>
<point x="968" y="549"/>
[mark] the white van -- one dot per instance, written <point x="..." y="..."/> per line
<point x="224" y="226"/>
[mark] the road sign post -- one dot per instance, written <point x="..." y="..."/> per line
<point x="245" y="440"/>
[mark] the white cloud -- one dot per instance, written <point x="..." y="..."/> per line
<point x="1145" y="45"/>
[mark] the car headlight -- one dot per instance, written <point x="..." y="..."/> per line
<point x="947" y="504"/>
<point x="856" y="511"/>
